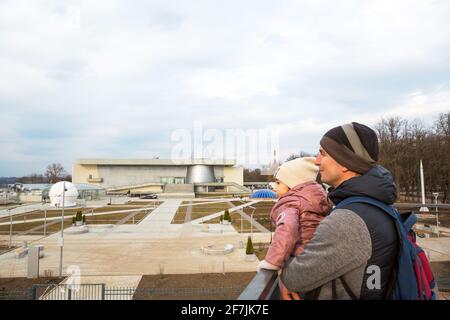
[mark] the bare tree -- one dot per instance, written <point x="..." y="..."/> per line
<point x="443" y="125"/>
<point x="55" y="172"/>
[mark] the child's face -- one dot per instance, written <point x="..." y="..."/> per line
<point x="280" y="188"/>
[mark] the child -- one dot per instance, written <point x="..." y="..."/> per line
<point x="302" y="204"/>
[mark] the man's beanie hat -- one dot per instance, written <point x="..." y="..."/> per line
<point x="297" y="171"/>
<point x="352" y="145"/>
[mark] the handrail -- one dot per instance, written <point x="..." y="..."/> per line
<point x="262" y="286"/>
<point x="403" y="205"/>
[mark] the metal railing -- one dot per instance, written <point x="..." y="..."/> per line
<point x="68" y="292"/>
<point x="264" y="286"/>
<point x="101" y="292"/>
<point x="405" y="205"/>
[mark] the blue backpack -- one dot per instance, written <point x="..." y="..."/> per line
<point x="414" y="279"/>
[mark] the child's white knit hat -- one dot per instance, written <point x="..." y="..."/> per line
<point x="297" y="171"/>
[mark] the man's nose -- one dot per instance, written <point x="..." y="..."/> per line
<point x="318" y="160"/>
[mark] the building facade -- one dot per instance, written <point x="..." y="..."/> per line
<point x="151" y="175"/>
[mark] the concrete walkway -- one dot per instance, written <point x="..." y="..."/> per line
<point x="111" y="256"/>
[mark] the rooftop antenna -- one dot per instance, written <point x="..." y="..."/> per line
<point x="423" y="209"/>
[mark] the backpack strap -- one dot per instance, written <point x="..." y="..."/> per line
<point x="347" y="289"/>
<point x="409" y="220"/>
<point x="333" y="290"/>
<point x="316" y="293"/>
<point x="381" y="205"/>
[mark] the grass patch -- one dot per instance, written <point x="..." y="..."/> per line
<point x="22" y="227"/>
<point x="90" y="219"/>
<point x="261" y="215"/>
<point x="40" y="214"/>
<point x="198" y="211"/>
<point x="114" y="218"/>
<point x="51" y="213"/>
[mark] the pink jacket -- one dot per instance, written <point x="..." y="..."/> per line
<point x="296" y="216"/>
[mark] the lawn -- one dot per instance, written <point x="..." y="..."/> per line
<point x="51" y="213"/>
<point x="261" y="215"/>
<point x="198" y="211"/>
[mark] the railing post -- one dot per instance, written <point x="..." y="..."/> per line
<point x="10" y="228"/>
<point x="103" y="291"/>
<point x="33" y="292"/>
<point x="45" y="222"/>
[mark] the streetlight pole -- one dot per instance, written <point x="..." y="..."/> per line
<point x="10" y="228"/>
<point x="61" y="243"/>
<point x="436" y="195"/>
<point x="45" y="220"/>
<point x="251" y="222"/>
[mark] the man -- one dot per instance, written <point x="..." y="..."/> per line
<point x="353" y="252"/>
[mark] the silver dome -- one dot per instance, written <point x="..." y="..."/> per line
<point x="200" y="174"/>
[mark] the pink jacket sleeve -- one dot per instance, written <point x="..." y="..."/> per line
<point x="285" y="237"/>
<point x="309" y="222"/>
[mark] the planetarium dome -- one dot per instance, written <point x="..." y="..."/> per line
<point x="70" y="196"/>
<point x="263" y="194"/>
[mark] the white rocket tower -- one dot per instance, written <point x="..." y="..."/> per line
<point x="423" y="208"/>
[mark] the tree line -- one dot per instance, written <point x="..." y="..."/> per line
<point x="54" y="172"/>
<point x="403" y="143"/>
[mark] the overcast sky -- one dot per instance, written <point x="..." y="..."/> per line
<point x="86" y="79"/>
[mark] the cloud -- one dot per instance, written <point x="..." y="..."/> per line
<point x="116" y="78"/>
<point x="421" y="104"/>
